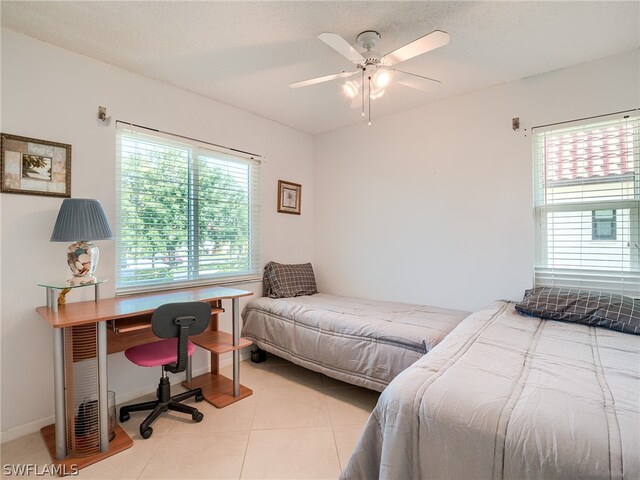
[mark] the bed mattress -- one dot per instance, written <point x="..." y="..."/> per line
<point x="359" y="341"/>
<point x="509" y="396"/>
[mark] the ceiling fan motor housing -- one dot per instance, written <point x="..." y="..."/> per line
<point x="371" y="57"/>
<point x="368" y="39"/>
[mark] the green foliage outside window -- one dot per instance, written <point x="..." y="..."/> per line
<point x="182" y="215"/>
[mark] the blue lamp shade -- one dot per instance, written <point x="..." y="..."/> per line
<point x="81" y="219"/>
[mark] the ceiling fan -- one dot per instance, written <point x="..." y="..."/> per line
<point x="376" y="70"/>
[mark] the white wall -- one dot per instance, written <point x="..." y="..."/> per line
<point x="53" y="94"/>
<point x="434" y="205"/>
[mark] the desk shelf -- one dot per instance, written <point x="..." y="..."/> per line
<point x="218" y="342"/>
<point x="217" y="389"/>
<point x="142" y="322"/>
<point x="124" y="333"/>
<point x="127" y="325"/>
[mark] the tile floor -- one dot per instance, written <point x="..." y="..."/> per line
<point x="297" y="424"/>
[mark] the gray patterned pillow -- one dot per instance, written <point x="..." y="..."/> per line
<point x="608" y="310"/>
<point x="282" y="281"/>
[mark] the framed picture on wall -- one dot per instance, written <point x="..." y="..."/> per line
<point x="289" y="197"/>
<point x="35" y="167"/>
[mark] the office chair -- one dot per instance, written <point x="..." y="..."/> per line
<point x="174" y="322"/>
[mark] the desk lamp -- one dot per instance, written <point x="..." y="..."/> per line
<point x="81" y="220"/>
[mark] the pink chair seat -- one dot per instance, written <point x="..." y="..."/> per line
<point x="157" y="353"/>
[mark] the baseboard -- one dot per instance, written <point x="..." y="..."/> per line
<point x="122" y="397"/>
<point x="26" y="429"/>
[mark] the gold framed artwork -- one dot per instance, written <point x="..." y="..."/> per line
<point x="289" y="197"/>
<point x="35" y="167"/>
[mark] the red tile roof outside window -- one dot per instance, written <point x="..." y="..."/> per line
<point x="588" y="154"/>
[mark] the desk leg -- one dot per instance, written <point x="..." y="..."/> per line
<point x="102" y="387"/>
<point x="59" y="394"/>
<point x="52" y="301"/>
<point x="236" y="342"/>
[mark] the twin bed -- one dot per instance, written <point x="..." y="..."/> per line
<point x="363" y="342"/>
<point x="493" y="394"/>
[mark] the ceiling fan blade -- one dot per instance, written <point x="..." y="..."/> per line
<point x="326" y="78"/>
<point x="418" y="82"/>
<point x="429" y="42"/>
<point x="341" y="46"/>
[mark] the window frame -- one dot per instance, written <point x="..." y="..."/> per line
<point x="547" y="268"/>
<point x="198" y="152"/>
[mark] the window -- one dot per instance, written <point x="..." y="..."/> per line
<point x="185" y="214"/>
<point x="587" y="205"/>
<point x="603" y="225"/>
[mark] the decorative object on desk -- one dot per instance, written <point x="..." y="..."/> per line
<point x="35" y="167"/>
<point x="289" y="197"/>
<point x="62" y="297"/>
<point x="81" y="220"/>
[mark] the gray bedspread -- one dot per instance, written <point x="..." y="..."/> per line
<point x="509" y="396"/>
<point x="363" y="342"/>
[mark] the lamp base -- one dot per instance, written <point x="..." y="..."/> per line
<point x="82" y="258"/>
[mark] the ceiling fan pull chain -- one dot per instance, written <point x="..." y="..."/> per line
<point x="363" y="93"/>
<point x="369" y="100"/>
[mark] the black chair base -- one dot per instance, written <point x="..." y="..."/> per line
<point x="164" y="403"/>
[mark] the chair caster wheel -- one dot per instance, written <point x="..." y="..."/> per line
<point x="199" y="398"/>
<point x="124" y="417"/>
<point x="197" y="416"/>
<point x="146" y="433"/>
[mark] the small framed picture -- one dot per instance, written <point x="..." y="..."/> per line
<point x="35" y="167"/>
<point x="289" y="197"/>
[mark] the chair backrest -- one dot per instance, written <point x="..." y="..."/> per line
<point x="180" y="320"/>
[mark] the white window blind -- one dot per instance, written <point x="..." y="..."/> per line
<point x="186" y="215"/>
<point x="587" y="205"/>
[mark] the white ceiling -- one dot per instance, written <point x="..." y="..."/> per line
<point x="245" y="54"/>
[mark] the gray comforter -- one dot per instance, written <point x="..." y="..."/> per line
<point x="509" y="396"/>
<point x="363" y="342"/>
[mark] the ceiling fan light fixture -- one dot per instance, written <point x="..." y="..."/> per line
<point x="381" y="78"/>
<point x="350" y="89"/>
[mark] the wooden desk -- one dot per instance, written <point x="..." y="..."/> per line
<point x="129" y="318"/>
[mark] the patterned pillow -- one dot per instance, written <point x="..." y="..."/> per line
<point x="282" y="281"/>
<point x="607" y="310"/>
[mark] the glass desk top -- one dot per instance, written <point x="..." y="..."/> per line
<point x="73" y="283"/>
